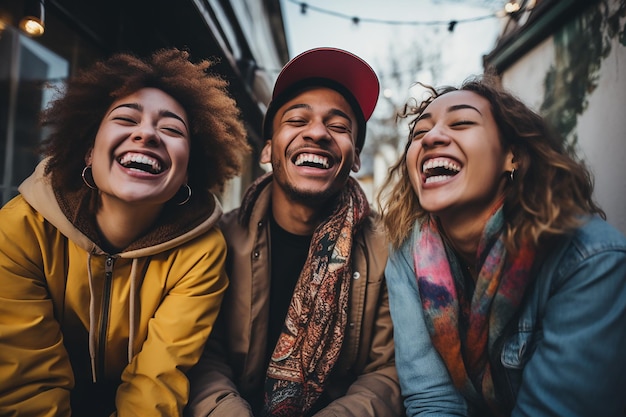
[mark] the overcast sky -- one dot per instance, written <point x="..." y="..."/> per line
<point x="452" y="56"/>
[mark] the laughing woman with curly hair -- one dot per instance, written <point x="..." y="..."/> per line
<point x="111" y="264"/>
<point x="507" y="288"/>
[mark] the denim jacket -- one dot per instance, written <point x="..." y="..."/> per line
<point x="564" y="355"/>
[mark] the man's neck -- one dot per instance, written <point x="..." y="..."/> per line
<point x="296" y="217"/>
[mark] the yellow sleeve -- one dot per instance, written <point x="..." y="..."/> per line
<point x="35" y="373"/>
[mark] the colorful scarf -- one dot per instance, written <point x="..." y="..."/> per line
<point x="462" y="330"/>
<point x="313" y="332"/>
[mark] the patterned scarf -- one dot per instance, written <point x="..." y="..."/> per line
<point x="462" y="330"/>
<point x="313" y="332"/>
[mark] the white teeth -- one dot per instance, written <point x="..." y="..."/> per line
<point x="440" y="163"/>
<point x="437" y="178"/>
<point x="310" y="158"/>
<point x="141" y="159"/>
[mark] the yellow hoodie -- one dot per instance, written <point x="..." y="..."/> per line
<point x="104" y="334"/>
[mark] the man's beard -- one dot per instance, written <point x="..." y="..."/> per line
<point x="307" y="197"/>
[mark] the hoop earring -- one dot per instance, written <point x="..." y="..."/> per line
<point x="87" y="177"/>
<point x="188" y="195"/>
<point x="512" y="175"/>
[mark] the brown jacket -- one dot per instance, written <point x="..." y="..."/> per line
<point x="232" y="369"/>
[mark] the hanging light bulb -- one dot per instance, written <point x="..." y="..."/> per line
<point x="33" y="21"/>
<point x="511" y="7"/>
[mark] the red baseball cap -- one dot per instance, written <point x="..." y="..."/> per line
<point x="336" y="65"/>
<point x="339" y="67"/>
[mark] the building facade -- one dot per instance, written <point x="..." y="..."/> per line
<point x="567" y="60"/>
<point x="246" y="37"/>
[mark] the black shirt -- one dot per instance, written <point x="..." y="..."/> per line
<point x="288" y="255"/>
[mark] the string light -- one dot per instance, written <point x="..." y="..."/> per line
<point x="451" y="24"/>
<point x="509" y="9"/>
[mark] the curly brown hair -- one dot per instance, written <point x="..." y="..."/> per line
<point x="551" y="189"/>
<point x="218" y="141"/>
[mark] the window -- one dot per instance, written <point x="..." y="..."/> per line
<point x="26" y="67"/>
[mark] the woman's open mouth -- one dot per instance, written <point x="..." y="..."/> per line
<point x="439" y="169"/>
<point x="140" y="162"/>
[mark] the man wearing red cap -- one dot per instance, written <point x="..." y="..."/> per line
<point x="305" y="328"/>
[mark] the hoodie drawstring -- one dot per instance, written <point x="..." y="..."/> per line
<point x="92" y="321"/>
<point x="132" y="332"/>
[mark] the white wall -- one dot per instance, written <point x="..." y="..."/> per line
<point x="602" y="136"/>
<point x="525" y="77"/>
<point x="601" y="129"/>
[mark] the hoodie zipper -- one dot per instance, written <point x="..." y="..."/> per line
<point x="104" y="321"/>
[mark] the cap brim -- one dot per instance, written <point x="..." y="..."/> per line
<point x="337" y="65"/>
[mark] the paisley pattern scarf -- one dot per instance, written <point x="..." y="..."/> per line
<point x="313" y="332"/>
<point x="464" y="330"/>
